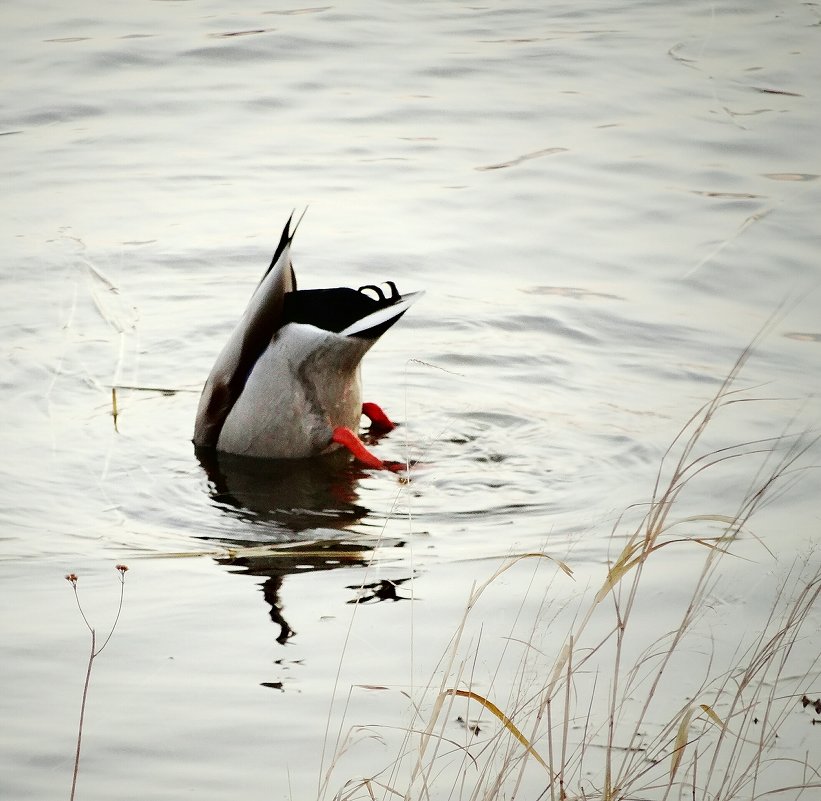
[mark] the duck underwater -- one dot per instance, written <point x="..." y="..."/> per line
<point x="287" y="383"/>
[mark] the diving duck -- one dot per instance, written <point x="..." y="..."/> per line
<point x="287" y="383"/>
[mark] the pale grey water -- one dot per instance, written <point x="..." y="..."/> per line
<point x="604" y="203"/>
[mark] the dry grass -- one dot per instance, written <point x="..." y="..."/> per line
<point x="592" y="710"/>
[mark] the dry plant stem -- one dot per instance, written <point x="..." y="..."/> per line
<point x="698" y="597"/>
<point x="324" y="777"/>
<point x="524" y="704"/>
<point x="638" y="550"/>
<point x="93" y="654"/>
<point x="82" y="715"/>
<point x="717" y="740"/>
<point x="770" y="650"/>
<point x="646" y="541"/>
<point x="517" y="690"/>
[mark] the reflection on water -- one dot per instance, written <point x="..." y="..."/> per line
<point x="298" y="513"/>
<point x="285" y="495"/>
<point x="376" y="591"/>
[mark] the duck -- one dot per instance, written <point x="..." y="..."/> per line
<point x="287" y="383"/>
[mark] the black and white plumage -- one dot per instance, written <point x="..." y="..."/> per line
<point x="287" y="384"/>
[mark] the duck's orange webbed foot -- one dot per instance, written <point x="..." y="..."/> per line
<point x="345" y="437"/>
<point x="380" y="422"/>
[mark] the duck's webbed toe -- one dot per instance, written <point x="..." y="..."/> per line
<point x="380" y="422"/>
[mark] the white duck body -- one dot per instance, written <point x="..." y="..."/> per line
<point x="305" y="384"/>
<point x="288" y="377"/>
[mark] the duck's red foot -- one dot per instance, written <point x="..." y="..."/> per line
<point x="380" y="422"/>
<point x="395" y="467"/>
<point x="346" y="438"/>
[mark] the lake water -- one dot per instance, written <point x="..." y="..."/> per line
<point x="605" y="204"/>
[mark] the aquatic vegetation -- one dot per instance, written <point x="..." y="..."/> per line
<point x="72" y="578"/>
<point x="588" y="701"/>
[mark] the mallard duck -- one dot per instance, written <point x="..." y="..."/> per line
<point x="287" y="383"/>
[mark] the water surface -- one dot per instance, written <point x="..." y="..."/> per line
<point x="605" y="206"/>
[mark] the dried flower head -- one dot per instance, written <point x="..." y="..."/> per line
<point x="121" y="568"/>
<point x="72" y="577"/>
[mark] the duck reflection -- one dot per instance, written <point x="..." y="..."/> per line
<point x="298" y="513"/>
<point x="383" y="590"/>
<point x="276" y="562"/>
<point x="292" y="494"/>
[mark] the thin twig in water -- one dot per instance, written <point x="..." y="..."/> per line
<point x="93" y="654"/>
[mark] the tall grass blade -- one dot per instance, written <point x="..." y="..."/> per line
<point x="506" y="721"/>
<point x="680" y="743"/>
